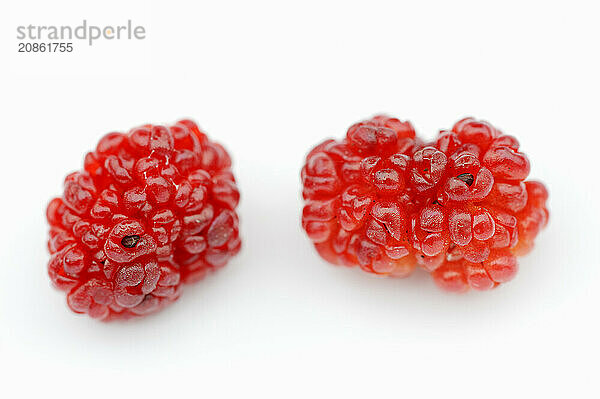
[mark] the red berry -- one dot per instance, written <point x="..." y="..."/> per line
<point x="459" y="206"/>
<point x="151" y="209"/>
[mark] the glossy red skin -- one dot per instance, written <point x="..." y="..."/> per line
<point x="459" y="207"/>
<point x="170" y="190"/>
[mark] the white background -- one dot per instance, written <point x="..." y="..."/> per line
<point x="270" y="80"/>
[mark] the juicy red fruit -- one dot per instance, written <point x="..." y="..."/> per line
<point x="152" y="209"/>
<point x="458" y="207"/>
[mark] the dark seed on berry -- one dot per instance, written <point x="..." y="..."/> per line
<point x="130" y="241"/>
<point x="467" y="178"/>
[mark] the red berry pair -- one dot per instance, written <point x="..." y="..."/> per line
<point x="459" y="207"/>
<point x="155" y="208"/>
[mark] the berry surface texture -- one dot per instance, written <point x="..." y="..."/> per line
<point x="152" y="209"/>
<point x="458" y="207"/>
